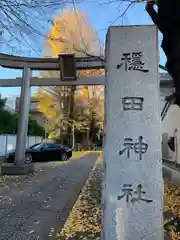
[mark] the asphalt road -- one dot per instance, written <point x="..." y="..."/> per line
<point x="36" y="207"/>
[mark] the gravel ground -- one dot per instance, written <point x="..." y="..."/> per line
<point x="84" y="222"/>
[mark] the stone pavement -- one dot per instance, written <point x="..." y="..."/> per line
<point x="36" y="207"/>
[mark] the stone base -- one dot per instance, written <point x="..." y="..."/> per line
<point x="11" y="169"/>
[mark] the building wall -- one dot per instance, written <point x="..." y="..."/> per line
<point x="169" y="124"/>
<point x="39" y="117"/>
<point x="34" y="111"/>
<point x="33" y="105"/>
<point x="11" y="102"/>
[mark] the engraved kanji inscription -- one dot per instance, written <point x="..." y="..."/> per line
<point x="127" y="193"/>
<point x="139" y="192"/>
<point x="132" y="196"/>
<point x="132" y="103"/>
<point x="128" y="146"/>
<point x="126" y="58"/>
<point x="132" y="62"/>
<point x="138" y="147"/>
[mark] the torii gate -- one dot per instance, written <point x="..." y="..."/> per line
<point x="132" y="123"/>
<point x="28" y="65"/>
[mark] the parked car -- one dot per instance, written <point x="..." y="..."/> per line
<point x="42" y="152"/>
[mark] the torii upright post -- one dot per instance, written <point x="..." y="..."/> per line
<point x="23" y="118"/>
<point x="133" y="184"/>
<point x="20" y="167"/>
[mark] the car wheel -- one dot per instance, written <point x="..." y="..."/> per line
<point x="28" y="158"/>
<point x="64" y="157"/>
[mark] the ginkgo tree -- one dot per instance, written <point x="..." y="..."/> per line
<point x="93" y="109"/>
<point x="71" y="33"/>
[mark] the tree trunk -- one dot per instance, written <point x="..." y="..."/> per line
<point x="167" y="19"/>
<point x="173" y="67"/>
<point x="92" y="128"/>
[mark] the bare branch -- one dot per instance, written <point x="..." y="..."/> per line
<point x="26" y="21"/>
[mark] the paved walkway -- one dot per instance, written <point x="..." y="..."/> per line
<point x="36" y="207"/>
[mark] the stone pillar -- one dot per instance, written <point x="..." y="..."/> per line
<point x="133" y="184"/>
<point x="23" y="118"/>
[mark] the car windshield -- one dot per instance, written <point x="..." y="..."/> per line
<point x="37" y="146"/>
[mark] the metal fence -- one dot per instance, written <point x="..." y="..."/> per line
<point x="8" y="142"/>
